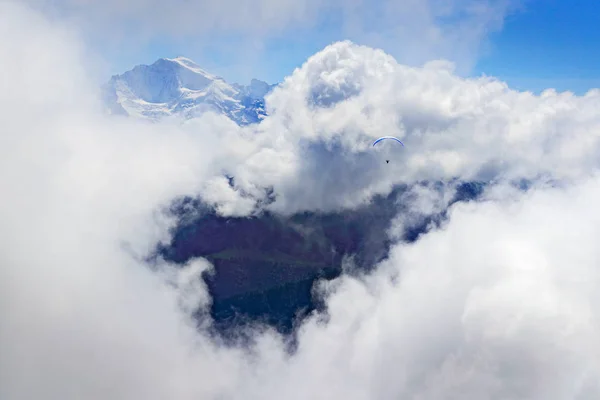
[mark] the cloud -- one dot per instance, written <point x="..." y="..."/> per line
<point x="183" y="17"/>
<point x="413" y="31"/>
<point x="324" y="117"/>
<point x="81" y="318"/>
<point x="500" y="302"/>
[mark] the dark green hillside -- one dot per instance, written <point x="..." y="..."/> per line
<point x="266" y="265"/>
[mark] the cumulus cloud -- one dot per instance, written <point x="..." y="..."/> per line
<point x="325" y="116"/>
<point x="81" y="318"/>
<point x="500" y="302"/>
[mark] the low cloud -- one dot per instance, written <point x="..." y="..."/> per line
<point x="499" y="302"/>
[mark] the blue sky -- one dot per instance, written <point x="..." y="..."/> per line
<point x="547" y="43"/>
<point x="550" y="43"/>
<point x="232" y="57"/>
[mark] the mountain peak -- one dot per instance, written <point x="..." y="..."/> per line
<point x="191" y="66"/>
<point x="183" y="60"/>
<point x="178" y="86"/>
<point x="259" y="88"/>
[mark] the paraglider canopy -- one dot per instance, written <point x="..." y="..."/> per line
<point x="387" y="137"/>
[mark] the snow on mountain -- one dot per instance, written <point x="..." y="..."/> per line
<point x="178" y="87"/>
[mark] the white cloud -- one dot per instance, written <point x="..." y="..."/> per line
<point x="80" y="317"/>
<point x="500" y="303"/>
<point x="182" y="17"/>
<point x="413" y="31"/>
<point x="452" y="127"/>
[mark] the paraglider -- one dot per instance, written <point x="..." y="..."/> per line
<point x="388" y="137"/>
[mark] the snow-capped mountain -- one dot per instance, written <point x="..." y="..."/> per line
<point x="179" y="87"/>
